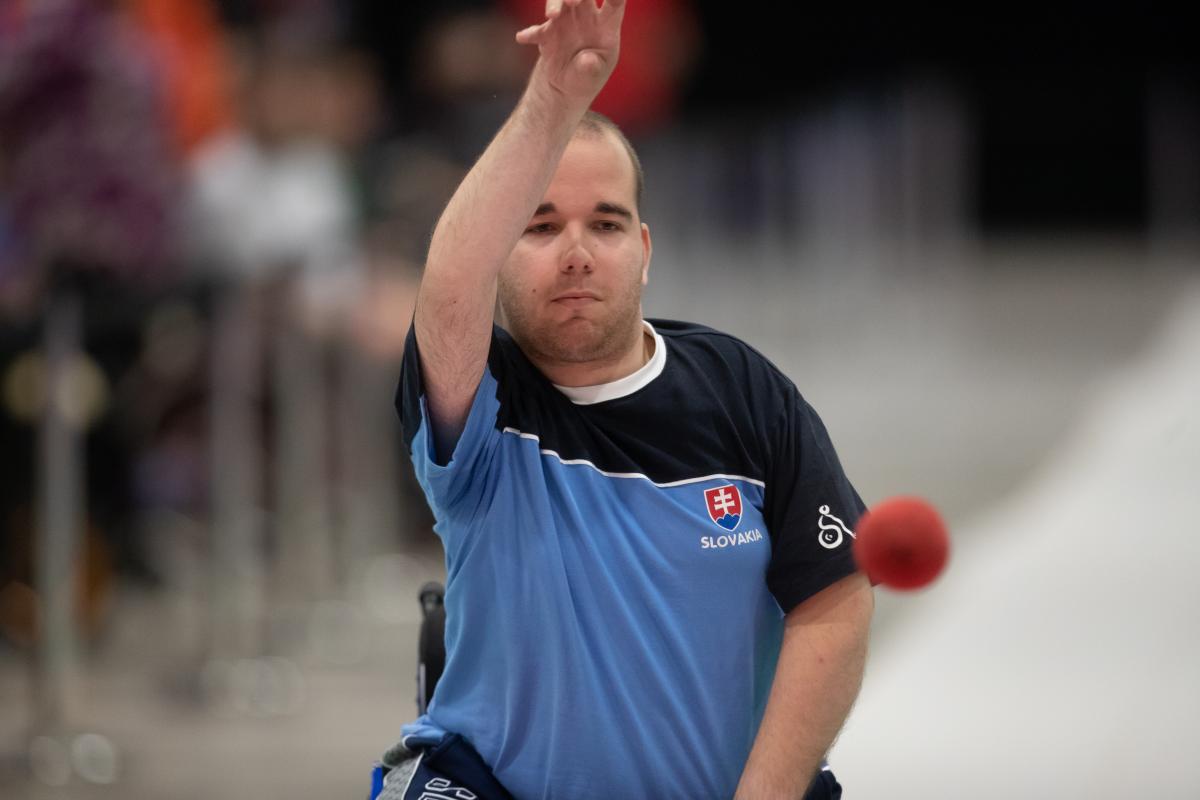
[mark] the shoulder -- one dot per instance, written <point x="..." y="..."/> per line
<point x="715" y="353"/>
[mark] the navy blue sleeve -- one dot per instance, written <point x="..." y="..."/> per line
<point x="810" y="506"/>
<point x="411" y="389"/>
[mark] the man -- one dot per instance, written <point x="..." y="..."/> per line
<point x="644" y="598"/>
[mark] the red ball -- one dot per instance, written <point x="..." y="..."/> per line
<point x="901" y="543"/>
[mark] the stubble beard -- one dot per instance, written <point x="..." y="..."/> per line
<point x="579" y="339"/>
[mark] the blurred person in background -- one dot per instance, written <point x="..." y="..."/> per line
<point x="89" y="187"/>
<point x="288" y="204"/>
<point x="450" y="76"/>
<point x="640" y="599"/>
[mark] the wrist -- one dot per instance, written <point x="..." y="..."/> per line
<point x="550" y="102"/>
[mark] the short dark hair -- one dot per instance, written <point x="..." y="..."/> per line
<point x="595" y="124"/>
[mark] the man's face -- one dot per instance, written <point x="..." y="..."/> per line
<point x="571" y="289"/>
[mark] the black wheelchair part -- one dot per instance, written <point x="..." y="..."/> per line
<point x="431" y="650"/>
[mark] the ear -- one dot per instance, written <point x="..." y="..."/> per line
<point x="647" y="251"/>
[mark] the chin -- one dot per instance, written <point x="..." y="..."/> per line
<point x="574" y="341"/>
<point x="575" y="349"/>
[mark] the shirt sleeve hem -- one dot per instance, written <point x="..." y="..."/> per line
<point x="792" y="595"/>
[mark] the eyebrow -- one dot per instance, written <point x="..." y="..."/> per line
<point x="602" y="207"/>
<point x="613" y="208"/>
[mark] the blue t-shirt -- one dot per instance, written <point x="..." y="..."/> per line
<point x="619" y="561"/>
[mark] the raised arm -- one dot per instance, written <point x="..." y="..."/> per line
<point x="577" y="50"/>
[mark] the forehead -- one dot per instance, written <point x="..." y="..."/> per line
<point x="595" y="167"/>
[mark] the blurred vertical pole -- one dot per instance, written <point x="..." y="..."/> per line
<point x="368" y="495"/>
<point x="237" y="477"/>
<point x="1173" y="138"/>
<point x="935" y="172"/>
<point x="300" y="463"/>
<point x="840" y="197"/>
<point x="60" y="476"/>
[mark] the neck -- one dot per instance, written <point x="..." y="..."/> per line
<point x="625" y="362"/>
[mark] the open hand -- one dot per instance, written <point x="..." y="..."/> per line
<point x="578" y="46"/>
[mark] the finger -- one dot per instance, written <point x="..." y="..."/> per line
<point x="576" y="10"/>
<point x="553" y="8"/>
<point x="613" y="9"/>
<point x="532" y="34"/>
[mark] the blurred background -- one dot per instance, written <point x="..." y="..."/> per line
<point x="972" y="238"/>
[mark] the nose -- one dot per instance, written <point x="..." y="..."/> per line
<point x="575" y="257"/>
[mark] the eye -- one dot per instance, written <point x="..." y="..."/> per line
<point x="607" y="226"/>
<point x="541" y="227"/>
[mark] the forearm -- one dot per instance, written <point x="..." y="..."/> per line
<point x="817" y="678"/>
<point x="491" y="207"/>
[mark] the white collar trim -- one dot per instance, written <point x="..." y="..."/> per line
<point x="587" y="395"/>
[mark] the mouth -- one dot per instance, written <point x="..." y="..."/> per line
<point x="576" y="299"/>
